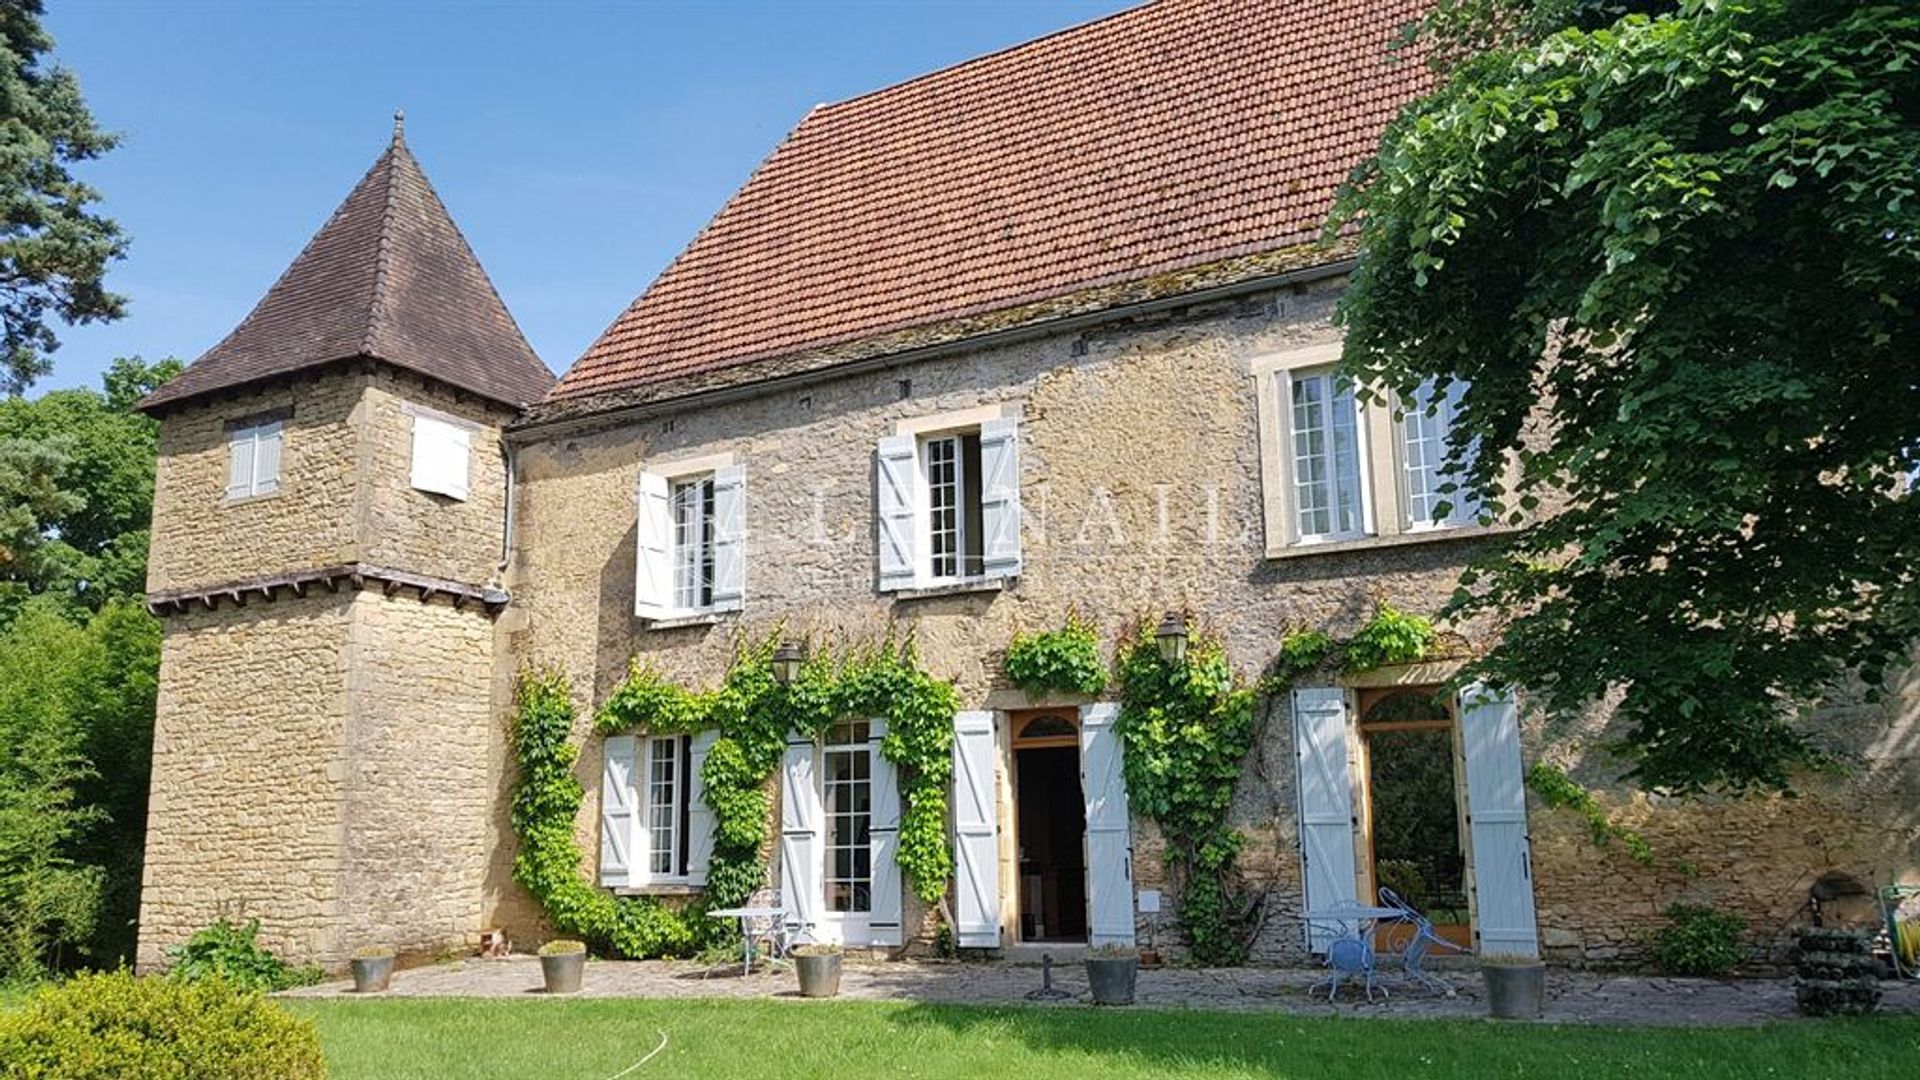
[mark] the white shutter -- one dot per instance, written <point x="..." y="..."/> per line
<point x="240" y="463"/>
<point x="1497" y="824"/>
<point x="653" y="557"/>
<point x="266" y="458"/>
<point x="1326" y="804"/>
<point x="441" y="454"/>
<point x="619" y="810"/>
<point x="1000" y="497"/>
<point x="729" y="538"/>
<point x="699" y="814"/>
<point x="897" y="503"/>
<point x="976" y="847"/>
<point x="884" y="909"/>
<point x="1103" y="782"/>
<point x="802" y="853"/>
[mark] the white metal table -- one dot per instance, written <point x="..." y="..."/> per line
<point x="746" y="936"/>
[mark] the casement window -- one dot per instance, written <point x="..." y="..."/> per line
<point x="442" y="450"/>
<point x="847" y="797"/>
<point x="691" y="557"/>
<point x="949" y="501"/>
<point x="1339" y="467"/>
<point x="840" y="877"/>
<point x="253" y="457"/>
<point x="655" y="827"/>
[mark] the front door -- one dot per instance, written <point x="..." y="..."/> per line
<point x="1412" y="807"/>
<point x="1050" y="825"/>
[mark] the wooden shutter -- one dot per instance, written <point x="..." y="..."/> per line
<point x="1326" y="803"/>
<point x="1497" y="824"/>
<point x="653" y="558"/>
<point x="884" y="910"/>
<point x="699" y="814"/>
<point x="729" y="538"/>
<point x="441" y="455"/>
<point x="1103" y="783"/>
<point x="266" y="458"/>
<point x="619" y="810"/>
<point x="897" y="503"/>
<point x="240" y="462"/>
<point x="1000" y="497"/>
<point x="802" y="854"/>
<point x="976" y="845"/>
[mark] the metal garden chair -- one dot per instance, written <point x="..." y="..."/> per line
<point x="770" y="930"/>
<point x="1413" y="956"/>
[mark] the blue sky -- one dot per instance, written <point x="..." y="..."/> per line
<point x="578" y="145"/>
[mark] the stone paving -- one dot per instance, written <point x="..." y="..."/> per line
<point x="1573" y="997"/>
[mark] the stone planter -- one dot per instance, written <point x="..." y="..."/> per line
<point x="819" y="973"/>
<point x="563" y="968"/>
<point x="371" y="974"/>
<point x="1111" y="978"/>
<point x="1516" y="991"/>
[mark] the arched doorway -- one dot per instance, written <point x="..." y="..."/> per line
<point x="1413" y="809"/>
<point x="1050" y="825"/>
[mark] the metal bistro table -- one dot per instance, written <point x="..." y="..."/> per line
<point x="1351" y="950"/>
<point x="744" y="914"/>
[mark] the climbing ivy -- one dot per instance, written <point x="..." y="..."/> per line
<point x="1390" y="637"/>
<point x="1563" y="792"/>
<point x="1065" y="660"/>
<point x="1186" y="728"/>
<point x="753" y="714"/>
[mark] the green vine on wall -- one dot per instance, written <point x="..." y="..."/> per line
<point x="1186" y="728"/>
<point x="1390" y="637"/>
<point x="1562" y="792"/>
<point x="1066" y="660"/>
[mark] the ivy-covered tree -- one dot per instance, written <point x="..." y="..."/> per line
<point x="1676" y="258"/>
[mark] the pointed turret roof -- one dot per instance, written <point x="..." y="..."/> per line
<point x="390" y="278"/>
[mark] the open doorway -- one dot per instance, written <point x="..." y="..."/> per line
<point x="1413" y="806"/>
<point x="1050" y="823"/>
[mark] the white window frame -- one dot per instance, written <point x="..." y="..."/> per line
<point x="682" y="560"/>
<point x="679" y="847"/>
<point x="431" y="426"/>
<point x="1464" y="506"/>
<point x="1363" y="479"/>
<point x="255" y="434"/>
<point x="939" y="427"/>
<point x="847" y="925"/>
<point x="676" y="473"/>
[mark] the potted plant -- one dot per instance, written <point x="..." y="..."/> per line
<point x="1111" y="971"/>
<point x="1516" y="986"/>
<point x="819" y="969"/>
<point x="562" y="963"/>
<point x="372" y="970"/>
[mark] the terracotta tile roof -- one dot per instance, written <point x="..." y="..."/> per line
<point x="1172" y="135"/>
<point x="388" y="277"/>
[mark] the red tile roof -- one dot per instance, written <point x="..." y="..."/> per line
<point x="387" y="277"/>
<point x="1168" y="136"/>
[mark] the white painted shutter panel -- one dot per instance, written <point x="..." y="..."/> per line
<point x="266" y="458"/>
<point x="1000" y="496"/>
<point x="240" y="463"/>
<point x="440" y="456"/>
<point x="729" y="538"/>
<point x="884" y="909"/>
<point x="976" y="847"/>
<point x="1497" y="823"/>
<point x="897" y="501"/>
<point x="653" y="558"/>
<point x="1326" y="804"/>
<point x="802" y="853"/>
<point x="1103" y="782"/>
<point x="619" y="810"/>
<point x="699" y="814"/>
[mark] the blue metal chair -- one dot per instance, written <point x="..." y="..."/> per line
<point x="1413" y="956"/>
<point x="1350" y="954"/>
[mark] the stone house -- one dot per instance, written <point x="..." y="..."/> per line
<point x="1045" y="332"/>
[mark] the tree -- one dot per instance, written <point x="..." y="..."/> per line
<point x="1676" y="260"/>
<point x="55" y="249"/>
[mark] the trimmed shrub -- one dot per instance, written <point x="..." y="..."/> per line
<point x="234" y="955"/>
<point x="1700" y="940"/>
<point x="116" y="1025"/>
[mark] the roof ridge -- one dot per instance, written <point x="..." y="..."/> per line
<point x="383" y="246"/>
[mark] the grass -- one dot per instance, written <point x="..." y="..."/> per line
<point x="595" y="1039"/>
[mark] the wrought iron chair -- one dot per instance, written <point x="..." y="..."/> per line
<point x="770" y="930"/>
<point x="1413" y="955"/>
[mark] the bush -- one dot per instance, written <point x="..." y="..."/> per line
<point x="1700" y="940"/>
<point x="117" y="1025"/>
<point x="231" y="953"/>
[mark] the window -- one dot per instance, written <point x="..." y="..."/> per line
<point x="951" y="466"/>
<point x="1329" y="491"/>
<point x="847" y="795"/>
<point x="693" y="543"/>
<point x="442" y="448"/>
<point x="666" y="806"/>
<point x="1424" y="431"/>
<point x="947" y="500"/>
<point x="253" y="458"/>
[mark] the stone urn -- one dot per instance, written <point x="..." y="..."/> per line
<point x="819" y="969"/>
<point x="563" y="964"/>
<point x="1516" y="987"/>
<point x="1111" y="973"/>
<point x="372" y="970"/>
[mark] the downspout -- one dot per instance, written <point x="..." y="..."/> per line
<point x="507" y="517"/>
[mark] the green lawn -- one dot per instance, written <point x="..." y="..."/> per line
<point x="594" y="1039"/>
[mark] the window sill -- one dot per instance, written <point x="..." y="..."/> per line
<point x="238" y="500"/>
<point x="681" y="622"/>
<point x="665" y="888"/>
<point x="953" y="588"/>
<point x="1374" y="543"/>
